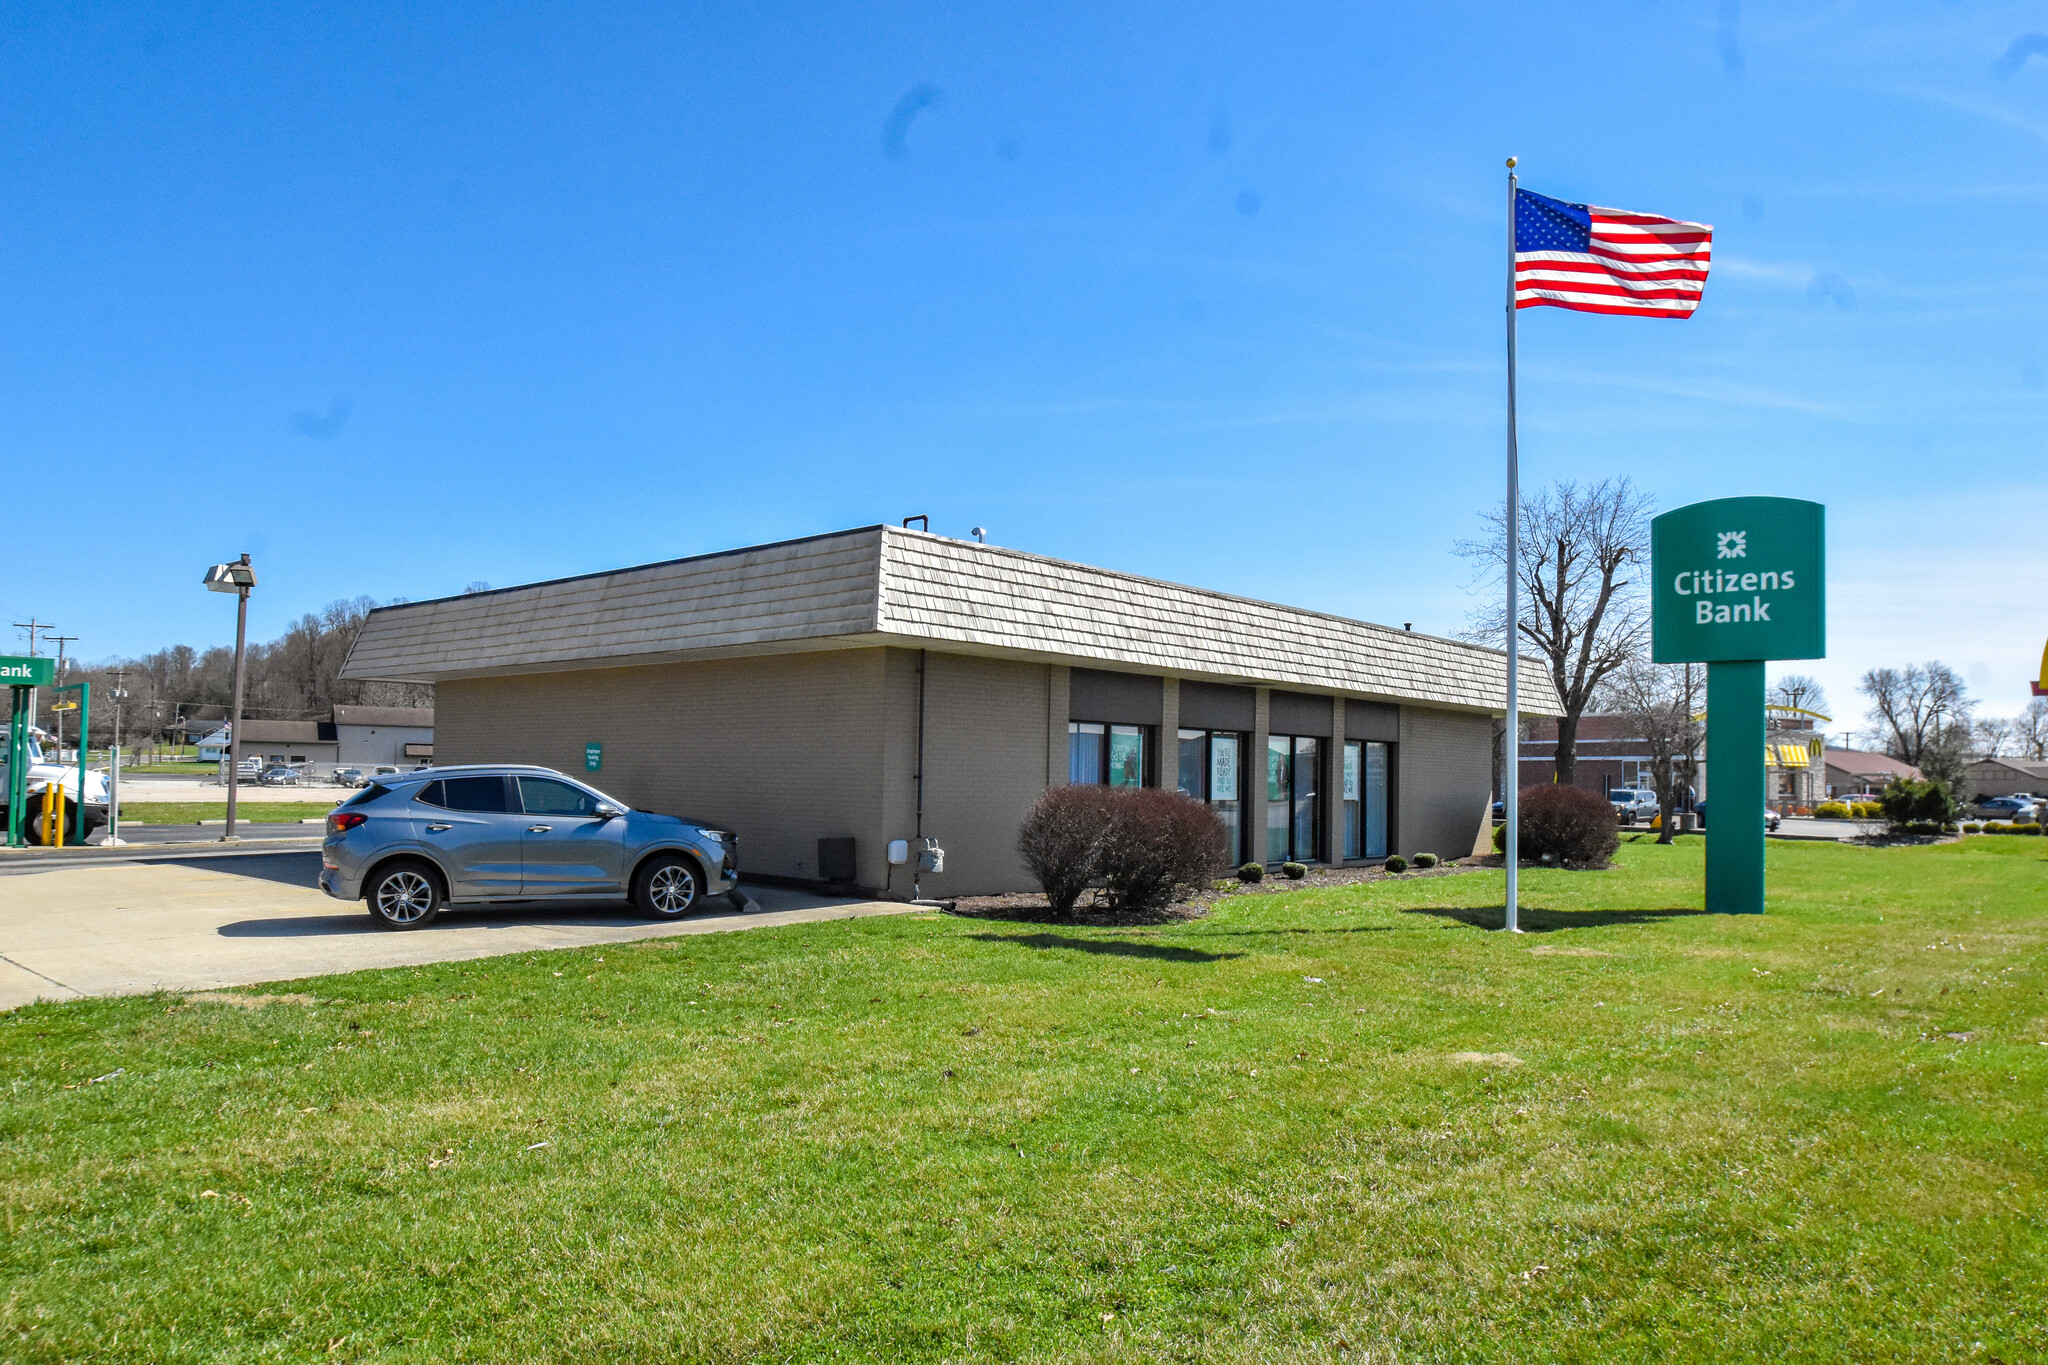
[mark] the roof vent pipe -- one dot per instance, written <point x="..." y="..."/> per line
<point x="1407" y="625"/>
<point x="926" y="520"/>
<point x="981" y="535"/>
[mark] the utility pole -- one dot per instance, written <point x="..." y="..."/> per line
<point x="62" y="640"/>
<point x="32" y="626"/>
<point x="114" y="762"/>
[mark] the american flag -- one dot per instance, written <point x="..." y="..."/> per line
<point x="1607" y="261"/>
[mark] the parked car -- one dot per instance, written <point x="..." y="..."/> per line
<point x="348" y="777"/>
<point x="279" y="776"/>
<point x="410" y="843"/>
<point x="1633" y="803"/>
<point x="1771" y="818"/>
<point x="2004" y="807"/>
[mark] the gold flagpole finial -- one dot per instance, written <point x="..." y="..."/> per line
<point x="1511" y="162"/>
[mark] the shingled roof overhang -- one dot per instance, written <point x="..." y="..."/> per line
<point x="881" y="585"/>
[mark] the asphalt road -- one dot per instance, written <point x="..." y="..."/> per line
<point x="117" y="924"/>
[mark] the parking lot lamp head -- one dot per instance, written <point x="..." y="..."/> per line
<point x="235" y="577"/>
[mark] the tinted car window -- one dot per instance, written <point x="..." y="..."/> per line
<point x="543" y="796"/>
<point x="367" y="795"/>
<point x="485" y="795"/>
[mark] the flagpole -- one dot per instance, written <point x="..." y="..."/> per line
<point x="1511" y="742"/>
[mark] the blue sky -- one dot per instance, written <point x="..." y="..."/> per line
<point x="401" y="298"/>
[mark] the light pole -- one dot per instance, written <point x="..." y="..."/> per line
<point x="236" y="578"/>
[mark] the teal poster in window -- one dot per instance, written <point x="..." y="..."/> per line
<point x="1126" y="756"/>
<point x="593" y="757"/>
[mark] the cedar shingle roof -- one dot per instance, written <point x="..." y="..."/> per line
<point x="884" y="586"/>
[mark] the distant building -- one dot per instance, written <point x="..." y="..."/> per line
<point x="402" y="735"/>
<point x="2007" y="777"/>
<point x="1610" y="757"/>
<point x="1854" y="770"/>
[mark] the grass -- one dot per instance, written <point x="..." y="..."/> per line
<point x="1343" y="1124"/>
<point x="170" y="769"/>
<point x="192" y="812"/>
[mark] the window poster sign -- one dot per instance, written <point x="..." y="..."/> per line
<point x="1223" y="768"/>
<point x="1126" y="756"/>
<point x="1351" y="758"/>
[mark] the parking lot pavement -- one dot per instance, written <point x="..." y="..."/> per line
<point x="197" y="922"/>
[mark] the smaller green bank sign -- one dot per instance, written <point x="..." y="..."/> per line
<point x="1739" y="578"/>
<point x="16" y="671"/>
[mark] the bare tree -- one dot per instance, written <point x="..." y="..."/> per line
<point x="1994" y="736"/>
<point x="1799" y="692"/>
<point x="2030" y="732"/>
<point x="1585" y="613"/>
<point x="1920" y="714"/>
<point x="1660" y="705"/>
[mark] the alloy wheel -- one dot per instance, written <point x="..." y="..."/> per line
<point x="672" y="889"/>
<point x="404" y="897"/>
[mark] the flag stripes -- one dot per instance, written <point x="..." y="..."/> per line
<point x="1596" y="260"/>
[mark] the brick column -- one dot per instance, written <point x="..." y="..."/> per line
<point x="1057" y="685"/>
<point x="1254" y="775"/>
<point x="1169" y="734"/>
<point x="1333" y="783"/>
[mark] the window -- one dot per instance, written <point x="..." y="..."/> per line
<point x="1111" y="754"/>
<point x="483" y="795"/>
<point x="1375" y="800"/>
<point x="1209" y="772"/>
<point x="1293" y="798"/>
<point x="545" y="796"/>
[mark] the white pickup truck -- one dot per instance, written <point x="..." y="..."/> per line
<point x="44" y="774"/>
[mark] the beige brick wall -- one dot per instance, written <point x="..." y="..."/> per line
<point x="783" y="748"/>
<point x="1444" y="782"/>
<point x="989" y="742"/>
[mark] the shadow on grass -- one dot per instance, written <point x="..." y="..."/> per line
<point x="1205" y="932"/>
<point x="1158" y="952"/>
<point x="1538" y="921"/>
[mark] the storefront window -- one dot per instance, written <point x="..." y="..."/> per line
<point x="1084" y="753"/>
<point x="1105" y="754"/>
<point x="1293" y="798"/>
<point x="1354" y="777"/>
<point x="1126" y="756"/>
<point x="1375" y="800"/>
<point x="1208" y="772"/>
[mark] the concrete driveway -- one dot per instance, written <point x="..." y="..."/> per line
<point x="202" y="921"/>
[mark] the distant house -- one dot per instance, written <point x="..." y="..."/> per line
<point x="1854" y="770"/>
<point x="401" y="735"/>
<point x="2007" y="777"/>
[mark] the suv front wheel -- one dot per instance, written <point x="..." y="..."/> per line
<point x="667" y="887"/>
<point x="404" y="895"/>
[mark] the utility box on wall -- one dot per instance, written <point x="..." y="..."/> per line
<point x="836" y="861"/>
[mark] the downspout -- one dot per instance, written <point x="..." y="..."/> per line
<point x="917" y="873"/>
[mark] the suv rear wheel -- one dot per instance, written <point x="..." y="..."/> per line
<point x="404" y="895"/>
<point x="667" y="887"/>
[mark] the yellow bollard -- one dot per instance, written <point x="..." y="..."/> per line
<point x="53" y="820"/>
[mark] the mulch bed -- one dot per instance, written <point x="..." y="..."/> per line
<point x="1032" y="908"/>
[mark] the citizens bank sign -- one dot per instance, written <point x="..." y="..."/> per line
<point x="29" y="672"/>
<point x="1739" y="578"/>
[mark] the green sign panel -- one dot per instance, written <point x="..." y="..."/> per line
<point x="593" y="757"/>
<point x="1739" y="578"/>
<point x="16" y="671"/>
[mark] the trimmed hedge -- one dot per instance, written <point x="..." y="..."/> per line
<point x="1396" y="864"/>
<point x="1294" y="872"/>
<point x="1832" y="810"/>
<point x="1423" y="860"/>
<point x="1252" y="872"/>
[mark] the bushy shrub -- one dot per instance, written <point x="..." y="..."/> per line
<point x="1907" y="802"/>
<point x="1396" y="863"/>
<point x="1999" y="827"/>
<point x="1141" y="845"/>
<point x="1252" y="872"/>
<point x="1971" y="826"/>
<point x="1295" y="871"/>
<point x="1831" y="810"/>
<point x="1865" y="810"/>
<point x="1568" y="825"/>
<point x="1157" y="842"/>
<point x="1061" y="838"/>
<point x="1500" y="838"/>
<point x="1423" y="860"/>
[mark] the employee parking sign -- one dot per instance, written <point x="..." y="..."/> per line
<point x="593" y="757"/>
<point x="1739" y="578"/>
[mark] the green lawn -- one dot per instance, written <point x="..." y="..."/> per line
<point x="174" y="768"/>
<point x="1341" y="1124"/>
<point x="192" y="812"/>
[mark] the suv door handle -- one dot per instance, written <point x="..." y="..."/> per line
<point x="538" y="829"/>
<point x="437" y="827"/>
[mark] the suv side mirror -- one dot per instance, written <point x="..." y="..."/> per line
<point x="607" y="811"/>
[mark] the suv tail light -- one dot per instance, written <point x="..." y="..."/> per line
<point x="344" y="820"/>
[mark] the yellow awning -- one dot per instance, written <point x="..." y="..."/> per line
<point x="1786" y="755"/>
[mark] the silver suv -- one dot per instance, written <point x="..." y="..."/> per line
<point x="410" y="843"/>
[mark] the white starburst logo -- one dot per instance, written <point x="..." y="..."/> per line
<point x="1734" y="545"/>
